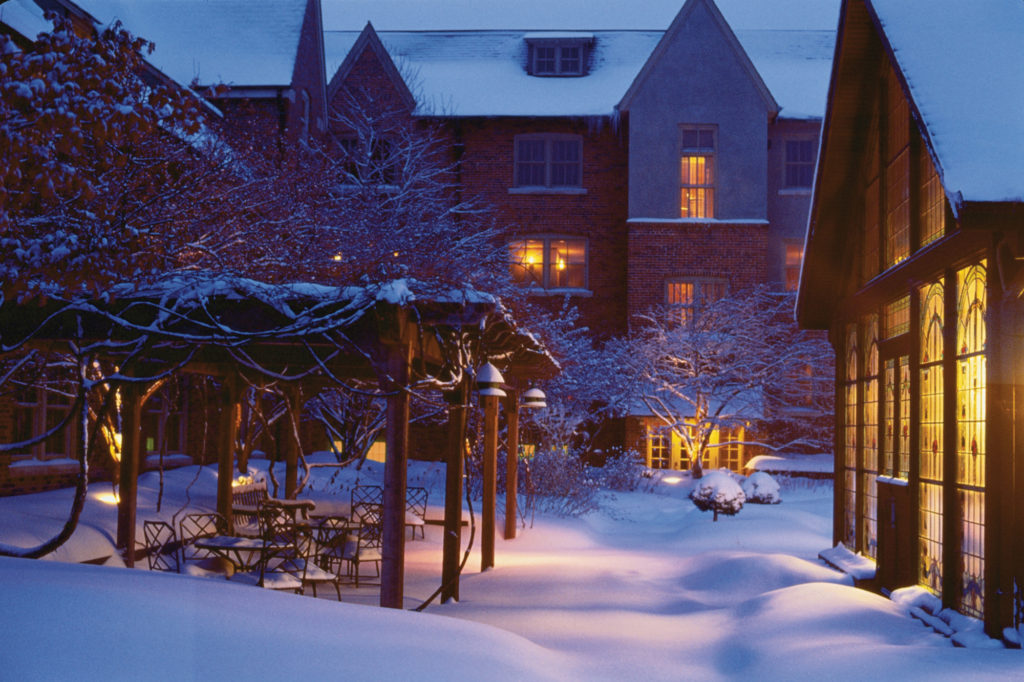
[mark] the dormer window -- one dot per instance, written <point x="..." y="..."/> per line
<point x="558" y="54"/>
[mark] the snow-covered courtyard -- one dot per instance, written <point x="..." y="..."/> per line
<point x="646" y="588"/>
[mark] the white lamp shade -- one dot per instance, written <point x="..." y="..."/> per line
<point x="489" y="381"/>
<point x="534" y="398"/>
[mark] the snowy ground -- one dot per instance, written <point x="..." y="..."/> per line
<point x="649" y="588"/>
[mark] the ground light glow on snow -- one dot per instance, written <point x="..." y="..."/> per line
<point x="647" y="588"/>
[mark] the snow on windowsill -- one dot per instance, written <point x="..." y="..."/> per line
<point x="547" y="190"/>
<point x="43" y="467"/>
<point x="560" y="291"/>
<point x="858" y="566"/>
<point x="890" y="480"/>
<point x="699" y="221"/>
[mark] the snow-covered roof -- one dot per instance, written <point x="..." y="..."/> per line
<point x="234" y="42"/>
<point x="567" y="15"/>
<point x="964" y="66"/>
<point x="25" y="17"/>
<point x="483" y="72"/>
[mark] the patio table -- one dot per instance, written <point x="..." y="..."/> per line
<point x="244" y="553"/>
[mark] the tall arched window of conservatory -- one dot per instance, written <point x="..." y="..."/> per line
<point x="930" y="442"/>
<point x="850" y="429"/>
<point x="869" y="533"/>
<point x="970" y="401"/>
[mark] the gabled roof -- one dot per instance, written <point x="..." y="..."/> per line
<point x="468" y="57"/>
<point x="963" y="66"/>
<point x="240" y="43"/>
<point x="24" y="17"/>
<point x="368" y="40"/>
<point x="672" y="35"/>
<point x="963" y="72"/>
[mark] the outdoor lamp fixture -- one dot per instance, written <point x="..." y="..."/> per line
<point x="489" y="381"/>
<point x="534" y="399"/>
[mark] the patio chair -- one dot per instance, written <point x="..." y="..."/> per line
<point x="161" y="546"/>
<point x="363" y="545"/>
<point x="416" y="510"/>
<point x="279" y="561"/>
<point x="192" y="527"/>
<point x="365" y="494"/>
<point x="303" y="563"/>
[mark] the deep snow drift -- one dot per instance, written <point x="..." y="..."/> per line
<point x="649" y="587"/>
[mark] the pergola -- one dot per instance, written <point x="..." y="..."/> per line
<point x="398" y="334"/>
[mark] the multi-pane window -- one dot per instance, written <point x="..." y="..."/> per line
<point x="933" y="202"/>
<point x="557" y="60"/>
<point x="36" y="411"/>
<point x="970" y="425"/>
<point x="688" y="296"/>
<point x="659" y="453"/>
<point x="794" y="257"/>
<point x="367" y="162"/>
<point x="548" y="160"/>
<point x="930" y="441"/>
<point x="897" y="317"/>
<point x="799" y="164"/>
<point x="897" y="174"/>
<point x="697" y="173"/>
<point x="850" y="431"/>
<point x="869" y="439"/>
<point x="550" y="262"/>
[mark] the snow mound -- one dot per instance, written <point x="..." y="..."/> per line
<point x="198" y="620"/>
<point x="739" y="576"/>
<point x="761" y="488"/>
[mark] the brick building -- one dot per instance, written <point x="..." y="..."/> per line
<point x="637" y="155"/>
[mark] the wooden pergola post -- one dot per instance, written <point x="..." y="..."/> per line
<point x="490" y="480"/>
<point x="229" y="418"/>
<point x="127" y="504"/>
<point x="452" y="542"/>
<point x="511" y="462"/>
<point x="392" y="571"/>
<point x="293" y="402"/>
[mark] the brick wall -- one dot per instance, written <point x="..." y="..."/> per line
<point x="599" y="214"/>
<point x="662" y="251"/>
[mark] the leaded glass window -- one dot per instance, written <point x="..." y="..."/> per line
<point x="869" y="440"/>
<point x="930" y="442"/>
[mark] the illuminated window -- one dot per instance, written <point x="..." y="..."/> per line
<point x="799" y="164"/>
<point x="970" y="423"/>
<point x="794" y="257"/>
<point x="688" y="296"/>
<point x="550" y="262"/>
<point x="930" y="447"/>
<point x="869" y="440"/>
<point x="548" y="160"/>
<point x="659" y="454"/>
<point x="897" y="317"/>
<point x="897" y="175"/>
<point x="697" y="178"/>
<point x="933" y="202"/>
<point x="850" y="432"/>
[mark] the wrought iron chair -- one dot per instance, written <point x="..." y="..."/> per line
<point x="192" y="527"/>
<point x="278" y="561"/>
<point x="416" y="510"/>
<point x="366" y="494"/>
<point x="363" y="545"/>
<point x="161" y="546"/>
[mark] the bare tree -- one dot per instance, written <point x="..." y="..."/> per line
<point x="736" y="362"/>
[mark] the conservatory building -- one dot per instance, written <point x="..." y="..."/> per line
<point x="914" y="265"/>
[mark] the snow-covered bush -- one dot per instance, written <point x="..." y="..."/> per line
<point x="761" y="488"/>
<point x="623" y="470"/>
<point x="719" y="492"/>
<point x="557" y="482"/>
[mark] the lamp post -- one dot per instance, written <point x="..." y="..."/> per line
<point x="532" y="399"/>
<point x="489" y="382"/>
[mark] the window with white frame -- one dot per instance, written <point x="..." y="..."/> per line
<point x="548" y="160"/>
<point x="686" y="296"/>
<point x="799" y="164"/>
<point x="558" y="57"/>
<point x="550" y="262"/>
<point x="697" y="172"/>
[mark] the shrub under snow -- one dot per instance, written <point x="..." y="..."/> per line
<point x="719" y="492"/>
<point x="760" y="488"/>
